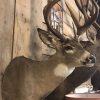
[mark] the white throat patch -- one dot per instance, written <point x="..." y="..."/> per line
<point x="62" y="70"/>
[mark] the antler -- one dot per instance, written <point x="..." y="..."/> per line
<point x="46" y="12"/>
<point x="46" y="18"/>
<point x="95" y="24"/>
<point x="88" y="20"/>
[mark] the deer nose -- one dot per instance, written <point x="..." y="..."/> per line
<point x="91" y="59"/>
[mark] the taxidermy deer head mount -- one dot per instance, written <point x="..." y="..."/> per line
<point x="26" y="79"/>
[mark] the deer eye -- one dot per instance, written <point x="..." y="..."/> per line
<point x="69" y="48"/>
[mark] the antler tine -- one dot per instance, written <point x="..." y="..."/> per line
<point x="95" y="24"/>
<point x="89" y="21"/>
<point x="46" y="14"/>
<point x="87" y="5"/>
<point x="84" y="11"/>
<point x="81" y="8"/>
<point x="75" y="33"/>
<point x="73" y="15"/>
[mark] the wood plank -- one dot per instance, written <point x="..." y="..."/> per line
<point x="6" y="34"/>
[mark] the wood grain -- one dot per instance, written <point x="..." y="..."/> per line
<point x="6" y="34"/>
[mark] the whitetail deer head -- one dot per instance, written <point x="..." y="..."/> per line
<point x="69" y="52"/>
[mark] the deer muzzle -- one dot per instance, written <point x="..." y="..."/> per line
<point x="90" y="61"/>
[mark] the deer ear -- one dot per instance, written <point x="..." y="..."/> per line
<point x="46" y="38"/>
